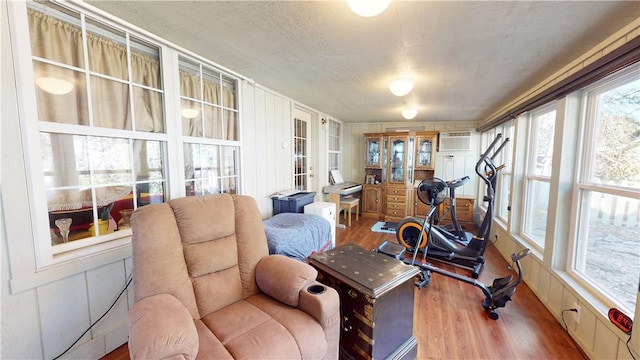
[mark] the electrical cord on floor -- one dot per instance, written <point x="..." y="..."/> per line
<point x="629" y="348"/>
<point x="562" y="316"/>
<point x="100" y="318"/>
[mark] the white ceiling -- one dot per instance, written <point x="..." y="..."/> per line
<point x="468" y="58"/>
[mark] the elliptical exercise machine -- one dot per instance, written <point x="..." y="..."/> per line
<point x="452" y="244"/>
<point x="497" y="295"/>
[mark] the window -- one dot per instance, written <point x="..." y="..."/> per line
<point x="335" y="139"/>
<point x="505" y="161"/>
<point x="105" y="127"/>
<point x="607" y="246"/>
<point x="100" y="109"/>
<point x="538" y="173"/>
<point x="209" y="115"/>
<point x="300" y="154"/>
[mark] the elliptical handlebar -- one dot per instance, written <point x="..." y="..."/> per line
<point x="487" y="160"/>
<point x="458" y="182"/>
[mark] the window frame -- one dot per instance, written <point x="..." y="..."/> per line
<point x="506" y="158"/>
<point x="116" y="244"/>
<point x="221" y="144"/>
<point x="337" y="153"/>
<point x="529" y="179"/>
<point x="47" y="255"/>
<point x="585" y="187"/>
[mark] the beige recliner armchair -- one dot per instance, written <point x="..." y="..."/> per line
<point x="205" y="287"/>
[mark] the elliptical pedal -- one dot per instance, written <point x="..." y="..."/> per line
<point x="500" y="283"/>
<point x="396" y="251"/>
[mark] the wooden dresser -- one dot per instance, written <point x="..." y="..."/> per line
<point x="376" y="302"/>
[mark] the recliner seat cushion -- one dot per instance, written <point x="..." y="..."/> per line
<point x="261" y="327"/>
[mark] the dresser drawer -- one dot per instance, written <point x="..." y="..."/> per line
<point x="396" y="198"/>
<point x="396" y="191"/>
<point x="396" y="210"/>
<point x="396" y="206"/>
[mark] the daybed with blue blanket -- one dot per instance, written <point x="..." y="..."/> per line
<point x="297" y="235"/>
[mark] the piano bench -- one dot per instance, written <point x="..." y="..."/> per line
<point x="349" y="203"/>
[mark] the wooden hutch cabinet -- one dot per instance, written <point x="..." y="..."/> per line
<point x="373" y="157"/>
<point x="425" y="158"/>
<point x="395" y="160"/>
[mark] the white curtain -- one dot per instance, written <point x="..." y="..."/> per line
<point x="214" y="127"/>
<point x="61" y="42"/>
<point x="208" y="122"/>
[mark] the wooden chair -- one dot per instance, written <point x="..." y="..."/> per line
<point x="347" y="204"/>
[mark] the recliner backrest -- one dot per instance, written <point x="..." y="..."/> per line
<point x="198" y="246"/>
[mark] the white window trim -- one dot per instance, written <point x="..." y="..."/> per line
<point x="585" y="148"/>
<point x="526" y="178"/>
<point x="335" y="152"/>
<point x="45" y="254"/>
<point x="33" y="261"/>
<point x="508" y="170"/>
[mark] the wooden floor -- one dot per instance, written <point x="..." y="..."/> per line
<point x="450" y="322"/>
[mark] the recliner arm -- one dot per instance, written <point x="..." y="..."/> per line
<point x="294" y="283"/>
<point x="283" y="278"/>
<point x="323" y="303"/>
<point x="160" y="327"/>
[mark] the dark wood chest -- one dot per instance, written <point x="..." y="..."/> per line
<point x="376" y="302"/>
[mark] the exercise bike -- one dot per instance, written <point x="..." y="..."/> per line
<point x="452" y="244"/>
<point x="496" y="296"/>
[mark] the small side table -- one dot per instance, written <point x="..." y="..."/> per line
<point x="376" y="302"/>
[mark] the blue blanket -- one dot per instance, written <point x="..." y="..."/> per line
<point x="297" y="235"/>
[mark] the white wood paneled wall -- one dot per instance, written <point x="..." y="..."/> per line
<point x="267" y="159"/>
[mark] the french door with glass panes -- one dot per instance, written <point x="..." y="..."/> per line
<point x="301" y="160"/>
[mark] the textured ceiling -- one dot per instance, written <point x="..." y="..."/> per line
<point x="468" y="58"/>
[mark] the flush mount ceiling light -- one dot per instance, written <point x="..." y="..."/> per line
<point x="54" y="85"/>
<point x="409" y="113"/>
<point x="189" y="113"/>
<point x="401" y="86"/>
<point x="368" y="8"/>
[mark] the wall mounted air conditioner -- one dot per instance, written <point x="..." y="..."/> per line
<point x="455" y="141"/>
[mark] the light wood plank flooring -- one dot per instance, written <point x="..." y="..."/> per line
<point x="450" y="323"/>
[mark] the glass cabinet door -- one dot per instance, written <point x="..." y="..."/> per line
<point x="397" y="159"/>
<point x="424" y="153"/>
<point x="373" y="155"/>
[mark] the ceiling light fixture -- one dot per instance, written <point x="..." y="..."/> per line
<point x="54" y="85"/>
<point x="368" y="8"/>
<point x="189" y="113"/>
<point x="409" y="113"/>
<point x="401" y="86"/>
